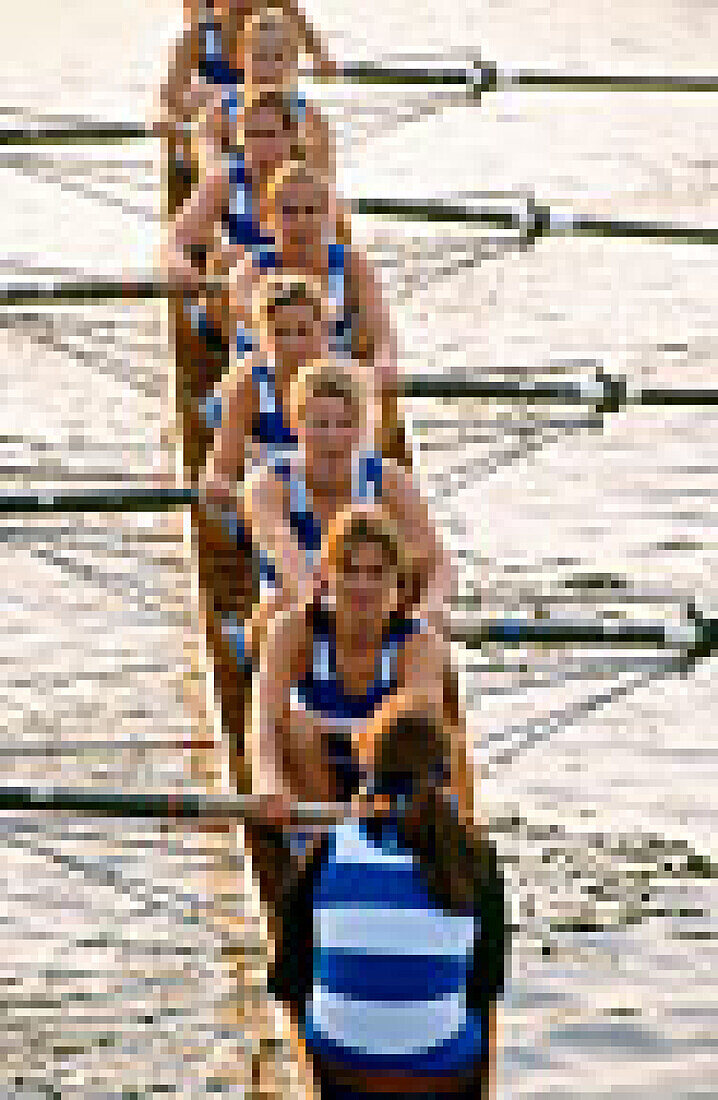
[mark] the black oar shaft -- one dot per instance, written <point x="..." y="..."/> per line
<point x="151" y="500"/>
<point x="163" y="806"/>
<point x="96" y="290"/>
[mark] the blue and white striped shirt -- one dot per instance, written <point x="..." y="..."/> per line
<point x="390" y="967"/>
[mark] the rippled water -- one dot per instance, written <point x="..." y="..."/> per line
<point x="598" y="763"/>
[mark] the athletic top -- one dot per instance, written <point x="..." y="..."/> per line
<point x="366" y="487"/>
<point x="212" y="64"/>
<point x="243" y="230"/>
<point x="265" y="256"/>
<point x="391" y="967"/>
<point x="341" y="341"/>
<point x="241" y="223"/>
<point x="320" y="691"/>
<point x="269" y="427"/>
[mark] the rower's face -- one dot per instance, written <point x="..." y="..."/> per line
<point x="303" y="213"/>
<point x="328" y="433"/>
<point x="266" y="137"/>
<point x="367" y="588"/>
<point x="223" y="9"/>
<point x="298" y="330"/>
<point x="272" y="57"/>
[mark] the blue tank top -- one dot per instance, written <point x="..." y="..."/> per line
<point x="367" y="471"/>
<point x="269" y="428"/>
<point x="321" y="692"/>
<point x="320" y="689"/>
<point x="265" y="257"/>
<point x="337" y="260"/>
<point x="212" y="64"/>
<point x="242" y="227"/>
<point x="391" y="967"/>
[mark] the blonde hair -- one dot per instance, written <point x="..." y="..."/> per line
<point x="255" y="97"/>
<point x="328" y="378"/>
<point x="273" y="14"/>
<point x="351" y="527"/>
<point x="280" y="288"/>
<point x="295" y="169"/>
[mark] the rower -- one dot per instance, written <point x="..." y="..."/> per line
<point x="289" y="505"/>
<point x="246" y="413"/>
<point x="392" y="936"/>
<point x="212" y="52"/>
<point x="226" y="197"/>
<point x="312" y="230"/>
<point x="331" y="673"/>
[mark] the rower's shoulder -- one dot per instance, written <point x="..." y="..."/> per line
<point x="266" y="485"/>
<point x="425" y="650"/>
<point x="287" y="641"/>
<point x="396" y="485"/>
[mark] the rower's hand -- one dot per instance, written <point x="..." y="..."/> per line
<point x="311" y="587"/>
<point x="182" y="274"/>
<point x="364" y="804"/>
<point x="275" y="811"/>
<point x="160" y="127"/>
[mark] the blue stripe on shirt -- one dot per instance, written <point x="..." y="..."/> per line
<point x="390" y="965"/>
<point x="391" y="977"/>
<point x="369" y="884"/>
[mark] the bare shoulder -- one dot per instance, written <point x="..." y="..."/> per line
<point x="261" y="484"/>
<point x="286" y="643"/>
<point x="395" y="483"/>
<point x="235" y="380"/>
<point x="426" y="654"/>
<point x="400" y="493"/>
<point x="264" y="494"/>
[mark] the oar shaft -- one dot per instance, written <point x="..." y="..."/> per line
<point x="149" y="500"/>
<point x="161" y="806"/>
<point x="99" y="290"/>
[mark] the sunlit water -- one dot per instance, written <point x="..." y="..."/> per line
<point x="598" y="764"/>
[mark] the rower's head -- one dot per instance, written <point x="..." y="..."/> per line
<point x="299" y="208"/>
<point x="229" y="13"/>
<point x="271" y="51"/>
<point x="271" y="131"/>
<point x="367" y="565"/>
<point x="412" y="757"/>
<point x="289" y="309"/>
<point x="332" y="414"/>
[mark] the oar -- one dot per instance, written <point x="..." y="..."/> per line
<point x="161" y="805"/>
<point x="477" y="79"/>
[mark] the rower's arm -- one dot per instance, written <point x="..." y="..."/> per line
<point x="273" y="696"/>
<point x="410" y="508"/>
<point x="225" y="466"/>
<point x="319" y="144"/>
<point x="427" y="658"/>
<point x="195" y="227"/>
<point x="369" y="305"/>
<point x="368" y="736"/>
<point x="309" y="41"/>
<point x="173" y="95"/>
<point x="265" y="516"/>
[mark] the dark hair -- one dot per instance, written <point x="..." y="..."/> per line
<point x="414" y="760"/>
<point x="335" y="385"/>
<point x="365" y="529"/>
<point x="459" y="870"/>
<point x="279" y="101"/>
